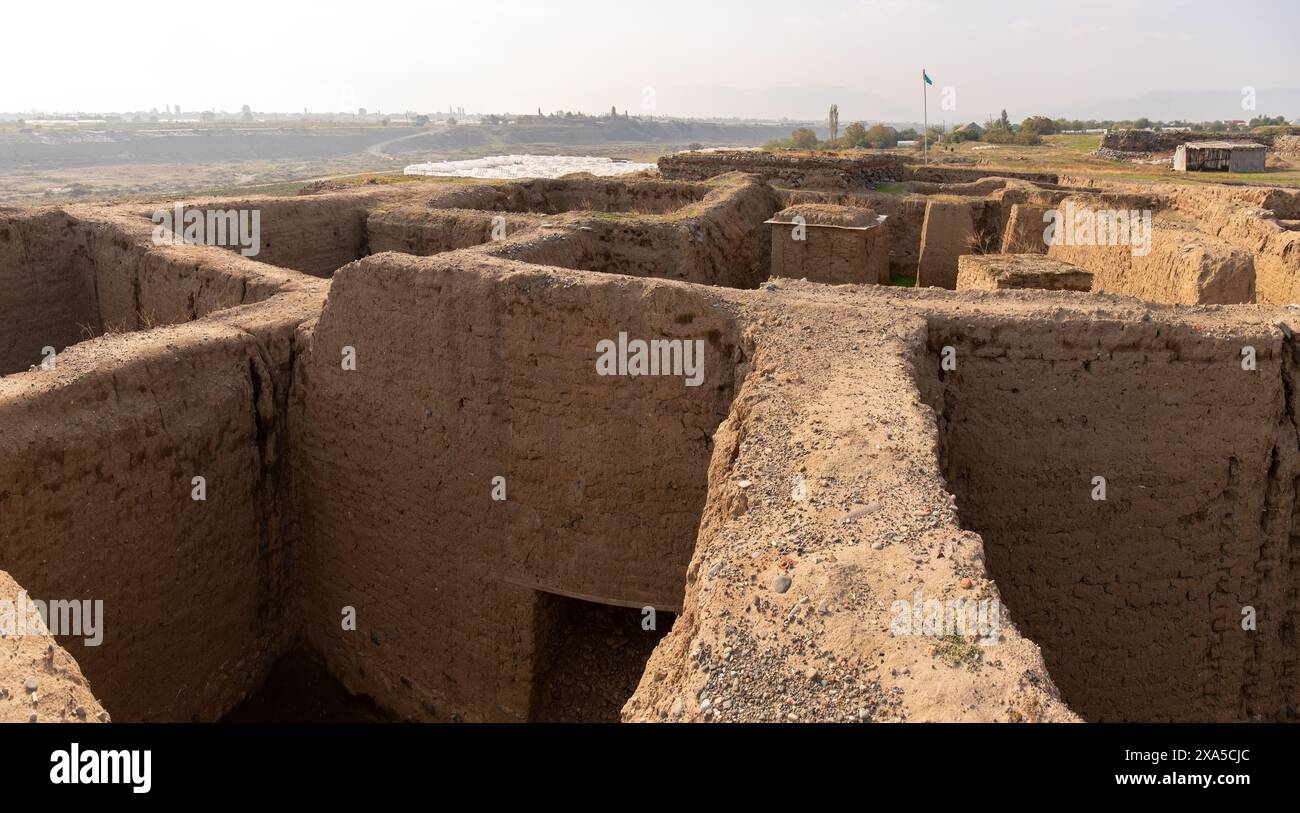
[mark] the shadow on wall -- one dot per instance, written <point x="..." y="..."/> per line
<point x="1136" y="599"/>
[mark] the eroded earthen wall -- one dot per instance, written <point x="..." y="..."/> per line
<point x="98" y="459"/>
<point x="719" y="241"/>
<point x="547" y="196"/>
<point x="424" y="232"/>
<point x="948" y="233"/>
<point x="1136" y="600"/>
<point x="47" y="294"/>
<point x="482" y="369"/>
<point x="1176" y="265"/>
<point x="832" y="255"/>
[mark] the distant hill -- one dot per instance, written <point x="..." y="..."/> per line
<point x="54" y="148"/>
<point x="1194" y="105"/>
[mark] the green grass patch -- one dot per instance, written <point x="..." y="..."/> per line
<point x="1075" y="142"/>
<point x="957" y="651"/>
<point x="902" y="280"/>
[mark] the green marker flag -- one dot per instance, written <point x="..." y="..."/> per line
<point x="926" y="77"/>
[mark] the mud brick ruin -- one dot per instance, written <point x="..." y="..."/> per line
<point x="396" y="411"/>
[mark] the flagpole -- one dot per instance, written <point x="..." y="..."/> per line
<point x="925" y="127"/>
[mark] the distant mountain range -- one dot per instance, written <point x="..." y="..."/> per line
<point x="1193" y="105"/>
<point x="810" y="103"/>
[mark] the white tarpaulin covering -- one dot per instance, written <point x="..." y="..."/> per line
<point x="526" y="166"/>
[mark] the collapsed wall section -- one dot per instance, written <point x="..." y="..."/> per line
<point x="1169" y="263"/>
<point x="1137" y="599"/>
<point x="1272" y="240"/>
<point x="482" y="370"/>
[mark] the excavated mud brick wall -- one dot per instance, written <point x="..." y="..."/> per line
<point x="831" y="254"/>
<point x="1024" y="230"/>
<point x="98" y="459"/>
<point x="1263" y="222"/>
<point x="948" y="233"/>
<point x="905" y="215"/>
<point x="483" y="369"/>
<point x="719" y="241"/>
<point x="1136" y="600"/>
<point x="66" y="279"/>
<point x="46" y="296"/>
<point x="553" y="196"/>
<point x="1182" y="267"/>
<point x="796" y="170"/>
<point x="314" y="234"/>
<point x="423" y="232"/>
<point x="954" y="174"/>
<point x="992" y="272"/>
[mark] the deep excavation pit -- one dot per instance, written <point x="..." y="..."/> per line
<point x="203" y="370"/>
<point x="369" y="491"/>
<point x="604" y="477"/>
<point x="1136" y="600"/>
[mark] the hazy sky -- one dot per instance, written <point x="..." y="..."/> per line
<point x="705" y="57"/>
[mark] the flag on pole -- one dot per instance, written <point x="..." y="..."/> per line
<point x="926" y="81"/>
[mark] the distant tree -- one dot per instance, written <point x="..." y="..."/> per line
<point x="613" y="112"/>
<point x="1003" y="123"/>
<point x="881" y="136"/>
<point x="908" y="134"/>
<point x="1028" y="138"/>
<point x="451" y="122"/>
<point x="694" y="146"/>
<point x="1041" y="125"/>
<point x="421" y="120"/>
<point x="803" y="139"/>
<point x="855" y="135"/>
<point x="1143" y="123"/>
<point x="384" y="121"/>
<point x="834" y="121"/>
<point x="246" y="113"/>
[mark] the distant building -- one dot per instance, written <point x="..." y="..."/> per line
<point x="1220" y="156"/>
